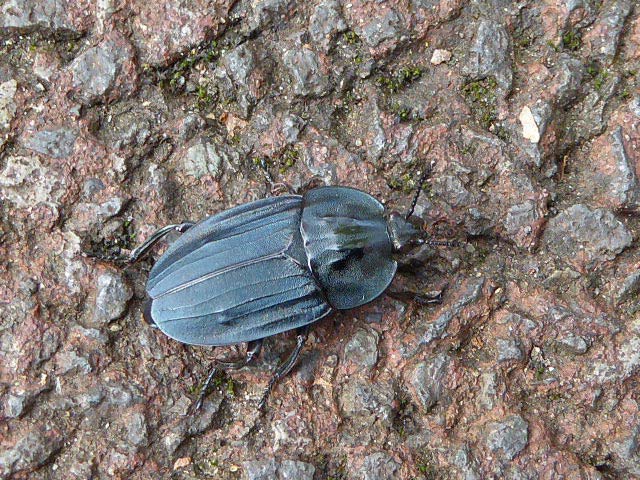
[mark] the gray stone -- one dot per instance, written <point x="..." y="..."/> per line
<point x="204" y="158"/>
<point x="569" y="78"/>
<point x="437" y="329"/>
<point x="465" y="462"/>
<point x="14" y="405"/>
<point x="57" y="143"/>
<point x="26" y="182"/>
<point x="91" y="186"/>
<point x="44" y="14"/>
<point x="489" y="390"/>
<point x="629" y="354"/>
<point x="427" y="380"/>
<point x="295" y="470"/>
<point x="611" y="21"/>
<point x="630" y="287"/>
<point x="68" y="361"/>
<point x="325" y="22"/>
<point x="491" y="54"/>
<point x="362" y="349"/>
<point x="593" y="235"/>
<point x="110" y="208"/>
<point x="508" y="349"/>
<point x="623" y="184"/>
<point x="190" y="126"/>
<point x="574" y="344"/>
<point x="136" y="425"/>
<point x="112" y="297"/>
<point x="508" y="437"/>
<point x="291" y="127"/>
<point x="260" y="469"/>
<point x="453" y="190"/>
<point x="95" y="71"/>
<point x="238" y="64"/>
<point x="7" y="107"/>
<point x="31" y="451"/>
<point x="381" y="29"/>
<point x="267" y="12"/>
<point x="520" y="218"/>
<point x="364" y="398"/>
<point x="304" y="66"/>
<point x="379" y="466"/>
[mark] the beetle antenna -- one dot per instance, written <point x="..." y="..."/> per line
<point x="414" y="202"/>
<point x="443" y="243"/>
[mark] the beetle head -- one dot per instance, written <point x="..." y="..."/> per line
<point x="404" y="235"/>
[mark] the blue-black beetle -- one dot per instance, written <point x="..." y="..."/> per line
<point x="270" y="266"/>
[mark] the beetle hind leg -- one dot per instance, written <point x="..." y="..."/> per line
<point x="285" y="367"/>
<point x="253" y="350"/>
<point x="142" y="249"/>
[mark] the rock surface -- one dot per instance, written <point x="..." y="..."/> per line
<point x="117" y="118"/>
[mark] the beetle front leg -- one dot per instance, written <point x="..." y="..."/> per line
<point x="286" y="367"/>
<point x="420" y="298"/>
<point x="253" y="350"/>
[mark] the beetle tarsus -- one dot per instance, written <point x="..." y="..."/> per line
<point x="253" y="350"/>
<point x="286" y="367"/>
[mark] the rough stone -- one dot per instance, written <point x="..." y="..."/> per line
<point x="58" y="143"/>
<point x="96" y="71"/>
<point x="362" y="349"/>
<point x="623" y="184"/>
<point x="304" y="66"/>
<point x="380" y="29"/>
<point x="569" y="78"/>
<point x="260" y="469"/>
<point x="7" y="107"/>
<point x="295" y="470"/>
<point x="268" y="12"/>
<point x="586" y="236"/>
<point x="366" y="399"/>
<point x="427" y="380"/>
<point x="574" y="344"/>
<point x="508" y="349"/>
<point x="204" y="158"/>
<point x="239" y="63"/>
<point x="26" y="182"/>
<point x="530" y="130"/>
<point x="378" y="466"/>
<point x="630" y="287"/>
<point x="508" y="437"/>
<point x="14" y="405"/>
<point x="111" y="298"/>
<point x="520" y="220"/>
<point x="136" y="424"/>
<point x="44" y="14"/>
<point x="30" y="451"/>
<point x="440" y="56"/>
<point x="162" y="31"/>
<point x="604" y="36"/>
<point x="325" y="22"/>
<point x="491" y="54"/>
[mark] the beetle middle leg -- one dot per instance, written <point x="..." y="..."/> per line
<point x="253" y="350"/>
<point x="285" y="367"/>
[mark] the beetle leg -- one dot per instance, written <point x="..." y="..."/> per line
<point x="156" y="236"/>
<point x="422" y="299"/>
<point x="253" y="350"/>
<point x="286" y="367"/>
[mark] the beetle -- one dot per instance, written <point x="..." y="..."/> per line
<point x="273" y="265"/>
